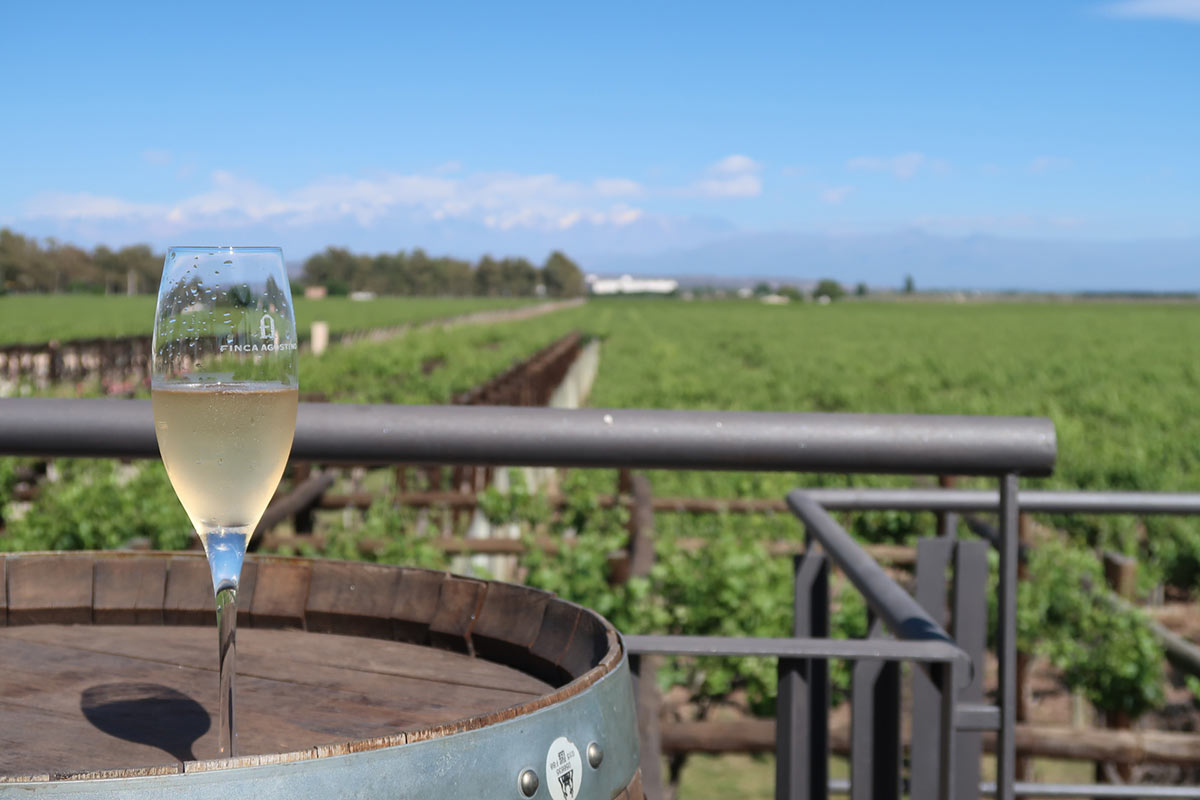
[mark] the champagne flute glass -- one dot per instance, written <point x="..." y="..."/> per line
<point x="225" y="393"/>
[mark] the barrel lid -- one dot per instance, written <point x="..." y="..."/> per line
<point x="110" y="660"/>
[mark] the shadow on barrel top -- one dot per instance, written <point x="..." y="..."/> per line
<point x="147" y="713"/>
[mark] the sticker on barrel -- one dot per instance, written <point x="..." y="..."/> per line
<point x="564" y="769"/>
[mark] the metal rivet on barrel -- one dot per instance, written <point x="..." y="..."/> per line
<point x="595" y="754"/>
<point x="528" y="783"/>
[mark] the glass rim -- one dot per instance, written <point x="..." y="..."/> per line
<point x="190" y="248"/>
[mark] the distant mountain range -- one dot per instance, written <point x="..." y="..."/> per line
<point x="935" y="262"/>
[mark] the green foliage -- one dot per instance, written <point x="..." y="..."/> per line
<point x="8" y="480"/>
<point x="1193" y="685"/>
<point x="417" y="273"/>
<point x="517" y="505"/>
<point x="35" y="319"/>
<point x="1119" y="381"/>
<point x="1104" y="648"/>
<point x="848" y="620"/>
<point x="335" y="287"/>
<point x="730" y="586"/>
<point x="384" y="536"/>
<point x="27" y="265"/>
<point x="827" y="287"/>
<point x="429" y="365"/>
<point x="579" y="571"/>
<point x="890" y="527"/>
<point x="562" y="276"/>
<point x="97" y="505"/>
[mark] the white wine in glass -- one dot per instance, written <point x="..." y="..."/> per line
<point x="225" y="396"/>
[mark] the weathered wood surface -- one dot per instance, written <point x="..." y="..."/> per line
<point x="108" y="660"/>
<point x="90" y="697"/>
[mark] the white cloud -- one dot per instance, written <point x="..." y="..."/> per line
<point x="1048" y="163"/>
<point x="622" y="215"/>
<point x="503" y="201"/>
<point x="734" y="186"/>
<point x="84" y="206"/>
<point x="835" y="195"/>
<point x="156" y="157"/>
<point x="732" y="176"/>
<point x="903" y="166"/>
<point x="735" y="164"/>
<point x="616" y="187"/>
<point x="1179" y="10"/>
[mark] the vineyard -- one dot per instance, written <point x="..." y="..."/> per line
<point x="36" y="319"/>
<point x="1120" y="381"/>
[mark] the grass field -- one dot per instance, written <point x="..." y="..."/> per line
<point x="1120" y="381"/>
<point x="753" y="777"/>
<point x="35" y="319"/>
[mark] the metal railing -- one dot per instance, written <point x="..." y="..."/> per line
<point x="496" y="435"/>
<point x="948" y="711"/>
<point x="871" y="775"/>
<point x="945" y="762"/>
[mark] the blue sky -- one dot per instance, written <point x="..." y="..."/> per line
<point x="605" y="129"/>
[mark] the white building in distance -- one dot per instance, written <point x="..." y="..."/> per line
<point x="627" y="284"/>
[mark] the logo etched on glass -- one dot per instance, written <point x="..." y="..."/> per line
<point x="266" y="332"/>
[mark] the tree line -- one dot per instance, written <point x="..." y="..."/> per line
<point x="415" y="273"/>
<point x="28" y="265"/>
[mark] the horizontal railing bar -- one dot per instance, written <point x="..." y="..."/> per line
<point x="793" y="647"/>
<point x="898" y="609"/>
<point x="956" y="500"/>
<point x="841" y="786"/>
<point x="1022" y="789"/>
<point x="1030" y="501"/>
<point x="726" y="440"/>
<point x="976" y="717"/>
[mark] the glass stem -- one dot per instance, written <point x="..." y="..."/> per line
<point x="227" y="637"/>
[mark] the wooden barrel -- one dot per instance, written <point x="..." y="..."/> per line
<point x="354" y="681"/>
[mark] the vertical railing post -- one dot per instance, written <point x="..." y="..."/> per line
<point x="1006" y="639"/>
<point x="947" y="520"/>
<point x="875" y="742"/>
<point x="1022" y="770"/>
<point x="970" y="634"/>
<point x="802" y="707"/>
<point x="946" y="679"/>
<point x="933" y="559"/>
<point x="649" y="701"/>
